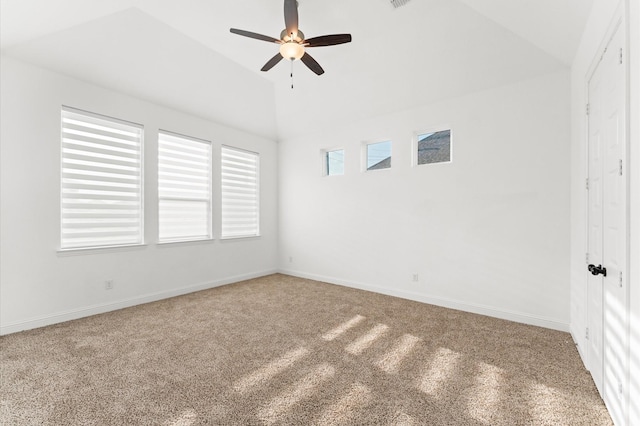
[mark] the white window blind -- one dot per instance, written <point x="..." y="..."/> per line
<point x="101" y="181"/>
<point x="184" y="188"/>
<point x="240" y="189"/>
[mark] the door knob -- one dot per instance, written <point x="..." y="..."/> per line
<point x="595" y="270"/>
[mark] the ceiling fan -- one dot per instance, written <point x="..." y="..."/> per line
<point x="292" y="42"/>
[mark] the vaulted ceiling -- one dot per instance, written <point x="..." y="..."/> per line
<point x="182" y="55"/>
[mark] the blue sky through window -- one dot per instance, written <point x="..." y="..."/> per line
<point x="335" y="162"/>
<point x="378" y="152"/>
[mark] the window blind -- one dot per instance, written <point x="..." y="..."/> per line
<point x="184" y="188"/>
<point x="101" y="181"/>
<point x="240" y="189"/>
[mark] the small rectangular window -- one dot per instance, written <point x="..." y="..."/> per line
<point x="101" y="181"/>
<point x="433" y="147"/>
<point x="334" y="162"/>
<point x="184" y="188"/>
<point x="240" y="193"/>
<point x="378" y="155"/>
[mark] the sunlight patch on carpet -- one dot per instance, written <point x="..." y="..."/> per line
<point x="270" y="370"/>
<point x="332" y="334"/>
<point x="303" y="389"/>
<point x="440" y="370"/>
<point x="186" y="419"/>
<point x="390" y="362"/>
<point x="484" y="399"/>
<point x="547" y="404"/>
<point x="403" y="419"/>
<point x="360" y="345"/>
<point x="346" y="408"/>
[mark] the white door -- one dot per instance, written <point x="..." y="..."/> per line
<point x="607" y="227"/>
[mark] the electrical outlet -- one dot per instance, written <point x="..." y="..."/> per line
<point x="108" y="285"/>
<point x="290" y="259"/>
<point x="416" y="277"/>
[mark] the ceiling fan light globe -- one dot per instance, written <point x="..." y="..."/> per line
<point x="291" y="50"/>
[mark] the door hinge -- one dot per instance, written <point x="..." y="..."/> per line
<point x="620" y="168"/>
<point x="621" y="56"/>
<point x="587" y="109"/>
<point x="586" y="334"/>
<point x="620" y="279"/>
<point x="586" y="184"/>
<point x="586" y="258"/>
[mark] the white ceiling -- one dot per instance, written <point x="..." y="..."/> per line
<point x="181" y="54"/>
<point x="554" y="26"/>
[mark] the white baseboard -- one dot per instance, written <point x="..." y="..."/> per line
<point x="441" y="301"/>
<point x="125" y="303"/>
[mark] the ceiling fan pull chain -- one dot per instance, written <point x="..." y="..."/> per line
<point x="291" y="75"/>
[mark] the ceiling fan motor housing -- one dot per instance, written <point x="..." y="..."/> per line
<point x="298" y="37"/>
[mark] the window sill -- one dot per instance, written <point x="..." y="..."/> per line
<point x="95" y="250"/>
<point x="247" y="237"/>
<point x="185" y="242"/>
<point x="376" y="170"/>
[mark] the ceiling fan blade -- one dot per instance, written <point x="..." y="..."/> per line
<point x="254" y="35"/>
<point x="328" y="40"/>
<point x="312" y="64"/>
<point x="272" y="62"/>
<point x="291" y="16"/>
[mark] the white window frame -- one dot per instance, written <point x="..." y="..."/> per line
<point x="324" y="155"/>
<point x="364" y="154"/>
<point x="433" y="129"/>
<point x="176" y="138"/>
<point x="240" y="181"/>
<point x="77" y="175"/>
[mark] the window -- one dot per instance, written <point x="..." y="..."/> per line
<point x="334" y="162"/>
<point x="240" y="190"/>
<point x="101" y="181"/>
<point x="433" y="147"/>
<point x="378" y="155"/>
<point x="184" y="188"/>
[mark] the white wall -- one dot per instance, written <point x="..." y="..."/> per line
<point x="133" y="52"/>
<point x="601" y="16"/>
<point x="462" y="52"/>
<point x="40" y="286"/>
<point x="487" y="233"/>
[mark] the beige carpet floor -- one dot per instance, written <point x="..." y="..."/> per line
<point x="283" y="350"/>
